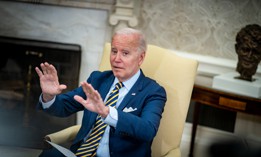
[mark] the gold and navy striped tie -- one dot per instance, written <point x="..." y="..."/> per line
<point x="89" y="147"/>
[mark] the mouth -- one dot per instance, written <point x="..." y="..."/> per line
<point x="248" y="60"/>
<point x="247" y="64"/>
<point x="117" y="67"/>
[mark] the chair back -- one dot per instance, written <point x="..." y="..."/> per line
<point x="176" y="74"/>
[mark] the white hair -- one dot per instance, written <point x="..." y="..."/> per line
<point x="142" y="40"/>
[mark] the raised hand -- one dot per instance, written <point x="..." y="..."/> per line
<point x="49" y="81"/>
<point x="94" y="101"/>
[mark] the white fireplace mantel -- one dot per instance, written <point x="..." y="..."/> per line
<point x="86" y="27"/>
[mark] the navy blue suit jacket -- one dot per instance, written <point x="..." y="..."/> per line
<point x="135" y="130"/>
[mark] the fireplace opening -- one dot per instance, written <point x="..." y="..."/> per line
<point x="21" y="124"/>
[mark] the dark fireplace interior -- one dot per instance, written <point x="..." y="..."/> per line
<point x="21" y="124"/>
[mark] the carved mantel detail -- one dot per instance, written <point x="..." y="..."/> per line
<point x="126" y="13"/>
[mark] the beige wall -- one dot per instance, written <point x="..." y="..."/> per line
<point x="206" y="27"/>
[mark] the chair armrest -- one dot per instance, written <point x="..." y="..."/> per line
<point x="63" y="136"/>
<point x="174" y="153"/>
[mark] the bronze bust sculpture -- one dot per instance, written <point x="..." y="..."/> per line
<point x="248" y="49"/>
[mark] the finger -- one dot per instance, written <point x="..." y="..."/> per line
<point x="51" y="69"/>
<point x="97" y="96"/>
<point x="38" y="71"/>
<point x="85" y="89"/>
<point x="44" y="68"/>
<point x="62" y="87"/>
<point x="93" y="95"/>
<point x="80" y="100"/>
<point x="88" y="89"/>
<point x="47" y="68"/>
<point x="84" y="103"/>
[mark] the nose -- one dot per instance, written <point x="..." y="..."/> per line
<point x="117" y="57"/>
<point x="250" y="53"/>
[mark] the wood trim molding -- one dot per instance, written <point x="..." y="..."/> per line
<point x="211" y="66"/>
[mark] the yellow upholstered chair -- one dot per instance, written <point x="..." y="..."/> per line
<point x="176" y="74"/>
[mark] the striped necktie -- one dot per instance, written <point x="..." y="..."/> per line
<point x="89" y="147"/>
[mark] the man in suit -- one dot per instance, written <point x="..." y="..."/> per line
<point x="133" y="123"/>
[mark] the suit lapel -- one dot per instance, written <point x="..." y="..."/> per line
<point x="105" y="86"/>
<point x="134" y="91"/>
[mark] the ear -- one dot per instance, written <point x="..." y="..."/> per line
<point x="141" y="58"/>
<point x="236" y="48"/>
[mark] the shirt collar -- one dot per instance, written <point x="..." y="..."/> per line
<point x="130" y="82"/>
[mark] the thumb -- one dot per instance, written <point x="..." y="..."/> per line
<point x="62" y="87"/>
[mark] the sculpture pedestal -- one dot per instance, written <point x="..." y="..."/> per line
<point x="228" y="82"/>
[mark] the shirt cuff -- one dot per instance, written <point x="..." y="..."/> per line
<point x="112" y="117"/>
<point x="46" y="105"/>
